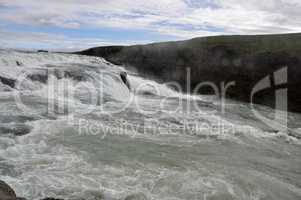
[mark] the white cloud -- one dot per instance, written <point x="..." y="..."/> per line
<point x="180" y="18"/>
<point x="54" y="42"/>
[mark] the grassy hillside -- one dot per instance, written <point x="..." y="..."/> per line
<point x="243" y="59"/>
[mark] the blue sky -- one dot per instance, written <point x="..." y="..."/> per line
<point x="79" y="24"/>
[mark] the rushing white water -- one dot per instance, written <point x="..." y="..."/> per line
<point x="86" y="136"/>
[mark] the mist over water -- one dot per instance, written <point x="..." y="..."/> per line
<point x="95" y="139"/>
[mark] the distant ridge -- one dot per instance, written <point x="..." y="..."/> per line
<point x="243" y="59"/>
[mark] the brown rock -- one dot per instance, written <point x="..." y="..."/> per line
<point x="6" y="192"/>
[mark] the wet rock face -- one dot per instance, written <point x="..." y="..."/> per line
<point x="42" y="76"/>
<point x="17" y="129"/>
<point x="42" y="51"/>
<point x="7" y="81"/>
<point x="75" y="73"/>
<point x="6" y="192"/>
<point x="18" y="63"/>
<point x="123" y="76"/>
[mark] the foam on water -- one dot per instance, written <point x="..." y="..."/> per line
<point x="57" y="160"/>
<point x="49" y="169"/>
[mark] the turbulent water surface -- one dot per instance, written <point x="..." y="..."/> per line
<point x="71" y="129"/>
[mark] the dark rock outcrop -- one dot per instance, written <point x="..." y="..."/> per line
<point x="6" y="192"/>
<point x="75" y="73"/>
<point x="15" y="129"/>
<point x="243" y="59"/>
<point x="123" y="76"/>
<point x="42" y="76"/>
<point x="7" y="81"/>
<point x="19" y="63"/>
<point x="42" y="51"/>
